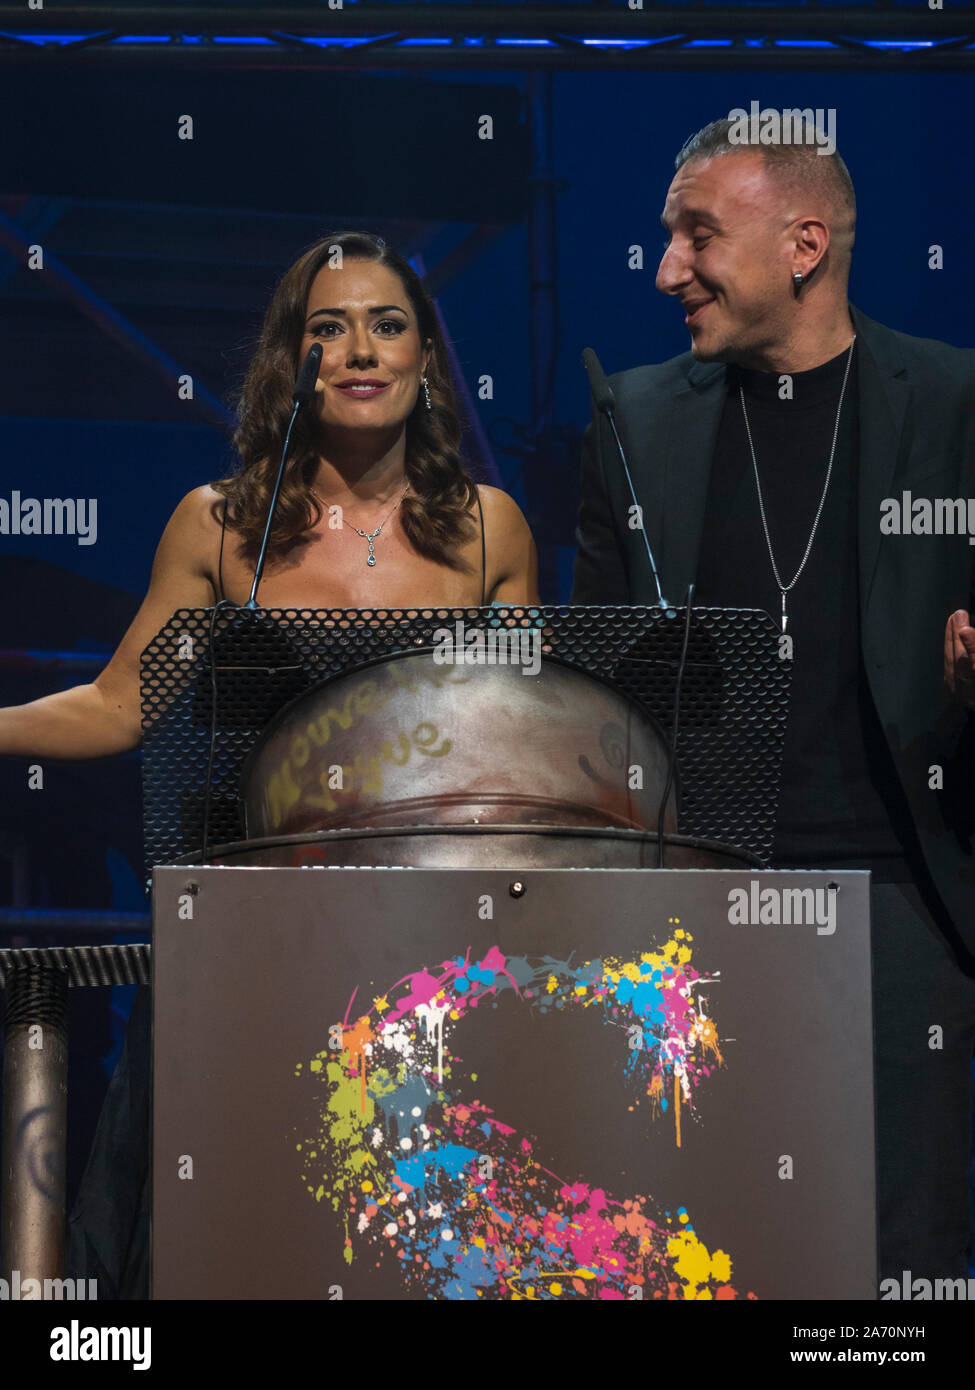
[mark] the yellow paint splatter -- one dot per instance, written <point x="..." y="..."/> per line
<point x="696" y="1266"/>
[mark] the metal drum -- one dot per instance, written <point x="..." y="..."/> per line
<point x="413" y="760"/>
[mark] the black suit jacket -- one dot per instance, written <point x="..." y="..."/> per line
<point x="917" y="434"/>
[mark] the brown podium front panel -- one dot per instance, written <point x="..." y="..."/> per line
<point x="553" y="1084"/>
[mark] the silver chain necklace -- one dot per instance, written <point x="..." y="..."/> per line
<point x="370" y="536"/>
<point x="785" y="588"/>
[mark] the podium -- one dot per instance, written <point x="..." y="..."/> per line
<point x="377" y="1076"/>
<point x="213" y="680"/>
<point x="459" y="1084"/>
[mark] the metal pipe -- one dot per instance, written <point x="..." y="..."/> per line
<point x="34" y="1125"/>
<point x="306" y="21"/>
<point x="41" y="921"/>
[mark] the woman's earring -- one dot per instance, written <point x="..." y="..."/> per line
<point x="426" y="393"/>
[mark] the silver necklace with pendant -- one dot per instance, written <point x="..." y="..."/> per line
<point x="784" y="589"/>
<point x="370" y="536"/>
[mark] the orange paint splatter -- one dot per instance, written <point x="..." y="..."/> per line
<point x="354" y="1042"/>
<point x="655" y="1092"/>
<point x="709" y="1039"/>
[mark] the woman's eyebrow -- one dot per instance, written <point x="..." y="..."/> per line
<point x="374" y="309"/>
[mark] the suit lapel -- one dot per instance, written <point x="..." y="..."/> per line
<point x="691" y="432"/>
<point x="883" y="396"/>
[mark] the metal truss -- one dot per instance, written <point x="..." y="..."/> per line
<point x="387" y="34"/>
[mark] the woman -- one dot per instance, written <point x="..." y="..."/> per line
<point x="375" y="511"/>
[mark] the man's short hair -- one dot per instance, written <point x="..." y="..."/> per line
<point x="798" y="167"/>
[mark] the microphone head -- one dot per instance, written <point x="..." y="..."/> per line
<point x="602" y="392"/>
<point x="307" y="377"/>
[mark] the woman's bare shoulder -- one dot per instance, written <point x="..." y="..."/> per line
<point x="501" y="509"/>
<point x="512" y="560"/>
<point x="203" y="505"/>
<point x="199" y="513"/>
<point x="193" y="530"/>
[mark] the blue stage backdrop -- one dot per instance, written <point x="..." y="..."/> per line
<point x="160" y="254"/>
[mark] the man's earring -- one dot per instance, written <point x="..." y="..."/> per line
<point x="797" y="282"/>
<point x="426" y="393"/>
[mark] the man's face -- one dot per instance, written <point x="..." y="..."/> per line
<point x="729" y="258"/>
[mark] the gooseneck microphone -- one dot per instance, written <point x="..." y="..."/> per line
<point x="605" y="402"/>
<point x="303" y="393"/>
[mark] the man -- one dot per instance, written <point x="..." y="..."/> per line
<point x="765" y="462"/>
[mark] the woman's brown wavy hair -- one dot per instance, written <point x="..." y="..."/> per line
<point x="436" y="512"/>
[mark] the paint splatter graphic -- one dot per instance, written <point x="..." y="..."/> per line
<point x="456" y="1196"/>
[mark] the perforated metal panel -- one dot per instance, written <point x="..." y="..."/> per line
<point x="733" y="703"/>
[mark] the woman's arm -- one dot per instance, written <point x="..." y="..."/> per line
<point x="512" y="560"/>
<point x="104" y="717"/>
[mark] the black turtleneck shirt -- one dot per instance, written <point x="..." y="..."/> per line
<point x="840" y="804"/>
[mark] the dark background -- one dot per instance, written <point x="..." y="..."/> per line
<point x="161" y="255"/>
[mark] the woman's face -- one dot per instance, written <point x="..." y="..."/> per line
<point x="372" y="357"/>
